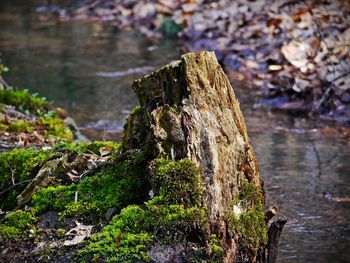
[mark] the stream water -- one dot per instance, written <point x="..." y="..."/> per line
<point x="88" y="69"/>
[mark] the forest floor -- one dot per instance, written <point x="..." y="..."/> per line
<point x="295" y="54"/>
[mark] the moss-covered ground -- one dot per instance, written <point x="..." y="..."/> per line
<point x="31" y="114"/>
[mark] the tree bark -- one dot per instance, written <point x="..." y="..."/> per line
<point x="189" y="110"/>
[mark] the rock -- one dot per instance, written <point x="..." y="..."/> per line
<point x="49" y="219"/>
<point x="71" y="125"/>
<point x="166" y="253"/>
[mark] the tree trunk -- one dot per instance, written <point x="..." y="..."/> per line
<point x="189" y="110"/>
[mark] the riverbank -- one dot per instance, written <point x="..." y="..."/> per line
<point x="296" y="55"/>
<point x="140" y="199"/>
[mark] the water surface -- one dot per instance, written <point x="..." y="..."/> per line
<point x="88" y="68"/>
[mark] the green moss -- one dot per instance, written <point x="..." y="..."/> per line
<point x="123" y="240"/>
<point x="53" y="198"/>
<point x="178" y="182"/>
<point x="166" y="218"/>
<point x="173" y="222"/>
<point x="54" y="127"/>
<point x="136" y="109"/>
<point x="16" y="166"/>
<point x="248" y="192"/>
<point x="48" y="126"/>
<point x="217" y="252"/>
<point x="250" y="225"/>
<point x="24" y="101"/>
<point x="17" y="127"/>
<point x="116" y="185"/>
<point x="130" y="234"/>
<point x="134" y="113"/>
<point x="16" y="224"/>
<point x="252" y="229"/>
<point x="60" y="232"/>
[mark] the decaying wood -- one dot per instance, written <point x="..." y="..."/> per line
<point x="189" y="110"/>
<point x="52" y="172"/>
<point x="274" y="234"/>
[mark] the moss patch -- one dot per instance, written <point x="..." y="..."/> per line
<point x="250" y="225"/>
<point x="166" y="218"/>
<point x="217" y="252"/>
<point x="177" y="182"/>
<point x="53" y="127"/>
<point x="16" y="225"/>
<point x="17" y="127"/>
<point x="49" y="126"/>
<point x="16" y="166"/>
<point x="130" y="235"/>
<point x="24" y="101"/>
<point x="116" y="185"/>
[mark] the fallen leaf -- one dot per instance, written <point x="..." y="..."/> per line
<point x="251" y="64"/>
<point x="104" y="151"/>
<point x="275" y="67"/>
<point x="78" y="234"/>
<point x="296" y="53"/>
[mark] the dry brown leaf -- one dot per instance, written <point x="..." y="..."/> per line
<point x="251" y="64"/>
<point x="275" y="67"/>
<point x="78" y="234"/>
<point x="296" y="53"/>
<point x="104" y="151"/>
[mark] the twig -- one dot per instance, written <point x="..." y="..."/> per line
<point x="3" y="82"/>
<point x="346" y="73"/>
<point x="14" y="186"/>
<point x="319" y="162"/>
<point x="13" y="175"/>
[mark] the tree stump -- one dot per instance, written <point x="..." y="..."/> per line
<point x="188" y="109"/>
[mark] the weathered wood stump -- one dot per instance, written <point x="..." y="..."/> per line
<point x="189" y="110"/>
